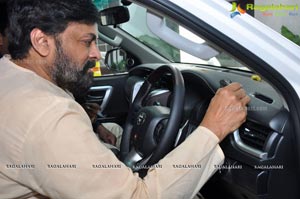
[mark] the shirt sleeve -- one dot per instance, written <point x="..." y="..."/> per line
<point x="70" y="162"/>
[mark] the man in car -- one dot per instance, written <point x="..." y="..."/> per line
<point x="109" y="133"/>
<point x="47" y="142"/>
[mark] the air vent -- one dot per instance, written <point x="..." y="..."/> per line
<point x="263" y="98"/>
<point x="254" y="135"/>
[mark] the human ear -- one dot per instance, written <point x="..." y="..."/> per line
<point x="40" y="42"/>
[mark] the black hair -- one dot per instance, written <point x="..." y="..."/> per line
<point x="3" y="18"/>
<point x="50" y="16"/>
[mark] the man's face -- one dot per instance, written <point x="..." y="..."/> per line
<point x="76" y="52"/>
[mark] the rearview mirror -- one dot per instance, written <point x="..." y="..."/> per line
<point x="114" y="16"/>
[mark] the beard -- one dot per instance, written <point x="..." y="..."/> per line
<point x="69" y="75"/>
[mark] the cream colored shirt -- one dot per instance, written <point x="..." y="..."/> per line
<point x="47" y="145"/>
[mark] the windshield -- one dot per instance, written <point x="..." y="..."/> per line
<point x="138" y="28"/>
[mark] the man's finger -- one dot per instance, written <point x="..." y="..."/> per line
<point x="245" y="100"/>
<point x="234" y="86"/>
<point x="231" y="87"/>
<point x="240" y="93"/>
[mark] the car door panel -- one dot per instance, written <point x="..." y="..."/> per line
<point x="99" y="95"/>
<point x="109" y="93"/>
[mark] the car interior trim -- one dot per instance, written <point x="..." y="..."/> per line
<point x="108" y="91"/>
<point x="241" y="145"/>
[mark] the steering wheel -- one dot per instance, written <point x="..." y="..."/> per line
<point x="150" y="131"/>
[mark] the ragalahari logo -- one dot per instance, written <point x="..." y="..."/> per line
<point x="236" y="10"/>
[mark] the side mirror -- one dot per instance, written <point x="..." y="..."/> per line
<point x="116" y="60"/>
<point x="114" y="16"/>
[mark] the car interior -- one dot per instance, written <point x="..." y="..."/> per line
<point x="257" y="154"/>
<point x="149" y="68"/>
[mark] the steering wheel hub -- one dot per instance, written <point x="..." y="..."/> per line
<point x="148" y="119"/>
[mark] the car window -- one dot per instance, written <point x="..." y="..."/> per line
<point x="100" y="68"/>
<point x="137" y="27"/>
<point x="104" y="70"/>
<point x="281" y="16"/>
<point x="102" y="4"/>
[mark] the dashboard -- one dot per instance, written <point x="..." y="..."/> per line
<point x="255" y="152"/>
